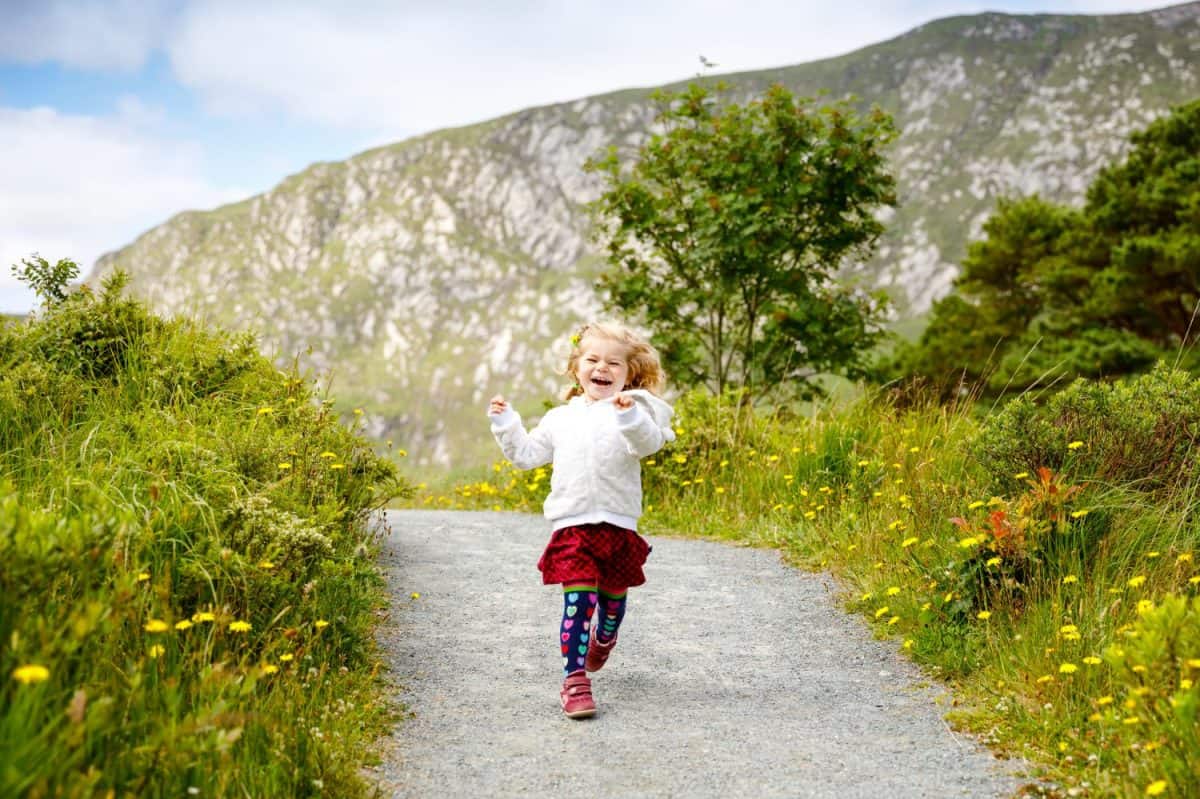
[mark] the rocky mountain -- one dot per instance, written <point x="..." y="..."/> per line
<point x="428" y="274"/>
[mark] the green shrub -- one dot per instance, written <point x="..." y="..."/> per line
<point x="1139" y="433"/>
<point x="187" y="559"/>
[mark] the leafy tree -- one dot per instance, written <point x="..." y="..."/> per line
<point x="724" y="233"/>
<point x="48" y="281"/>
<point x="1052" y="292"/>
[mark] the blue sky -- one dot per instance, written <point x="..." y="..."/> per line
<point x="117" y="114"/>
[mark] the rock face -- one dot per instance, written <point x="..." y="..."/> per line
<point x="426" y="275"/>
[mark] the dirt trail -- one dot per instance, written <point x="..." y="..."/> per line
<point x="734" y="676"/>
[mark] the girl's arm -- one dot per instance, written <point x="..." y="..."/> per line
<point x="642" y="434"/>
<point x="524" y="450"/>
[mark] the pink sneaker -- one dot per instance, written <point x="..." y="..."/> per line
<point x="576" y="696"/>
<point x="597" y="654"/>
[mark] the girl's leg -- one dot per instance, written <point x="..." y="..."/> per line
<point x="612" y="611"/>
<point x="579" y="608"/>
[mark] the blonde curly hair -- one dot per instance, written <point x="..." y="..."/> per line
<point x="645" y="369"/>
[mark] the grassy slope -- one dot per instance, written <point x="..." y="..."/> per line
<point x="188" y="590"/>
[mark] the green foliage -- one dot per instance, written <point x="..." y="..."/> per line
<point x="1053" y="293"/>
<point x="1155" y="671"/>
<point x="1139" y="433"/>
<point x="188" y="591"/>
<point x="725" y="233"/>
<point x="48" y="281"/>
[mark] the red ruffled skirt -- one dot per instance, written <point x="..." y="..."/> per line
<point x="603" y="555"/>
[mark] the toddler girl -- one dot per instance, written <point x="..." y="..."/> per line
<point x="612" y="419"/>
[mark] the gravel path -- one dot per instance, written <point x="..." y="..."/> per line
<point x="735" y="676"/>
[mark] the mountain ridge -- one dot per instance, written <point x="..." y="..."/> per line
<point x="432" y="272"/>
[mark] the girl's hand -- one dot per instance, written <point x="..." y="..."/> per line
<point x="497" y="406"/>
<point x="623" y="402"/>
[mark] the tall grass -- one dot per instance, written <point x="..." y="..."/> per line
<point x="187" y="588"/>
<point x="1042" y="559"/>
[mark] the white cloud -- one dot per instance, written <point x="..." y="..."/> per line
<point x="415" y="68"/>
<point x="400" y="68"/>
<point x="87" y="34"/>
<point x="77" y="186"/>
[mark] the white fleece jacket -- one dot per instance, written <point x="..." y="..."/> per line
<point x="595" y="450"/>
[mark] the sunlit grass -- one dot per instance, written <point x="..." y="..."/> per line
<point x="188" y="587"/>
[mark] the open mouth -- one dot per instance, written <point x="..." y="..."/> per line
<point x="600" y="381"/>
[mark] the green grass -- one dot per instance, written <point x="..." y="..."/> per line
<point x="1042" y="560"/>
<point x="188" y="590"/>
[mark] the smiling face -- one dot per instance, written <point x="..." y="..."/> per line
<point x="603" y="367"/>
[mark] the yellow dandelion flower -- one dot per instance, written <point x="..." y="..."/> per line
<point x="182" y="624"/>
<point x="908" y="643"/>
<point x="882" y="611"/>
<point x="723" y="464"/>
<point x="1092" y="660"/>
<point x="31" y="673"/>
<point x="983" y="615"/>
<point x="1095" y="717"/>
<point x="320" y="624"/>
<point x="908" y="542"/>
<point x="269" y="668"/>
<point x="1063" y="746"/>
<point x="1193" y="663"/>
<point x="414" y="595"/>
<point x="1045" y="678"/>
<point x="1070" y="578"/>
<point x="403" y="453"/>
<point x="893" y="620"/>
<point x="265" y="411"/>
<point x="719" y="490"/>
<point x="1131" y="720"/>
<point x="893" y="590"/>
<point x="156" y="651"/>
<point x="286" y="657"/>
<point x="1020" y="475"/>
<point x="1134" y="582"/>
<point x="266" y="565"/>
<point x="1155" y="788"/>
<point x="1068" y="629"/>
<point x="979" y="503"/>
<point x="1067" y="668"/>
<point x="1194" y="580"/>
<point x="240" y="626"/>
<point x="1104" y="700"/>
<point x="1185" y="684"/>
<point x="336" y="466"/>
<point x="865" y="597"/>
<point x="1184" y="557"/>
<point x="967" y="543"/>
<point x="810" y="514"/>
<point x="143" y="577"/>
<point x="1079" y="514"/>
<point x="1151" y="555"/>
<point x="1075" y="445"/>
<point x="1144" y="606"/>
<point x="864" y="463"/>
<point x="156" y="626"/>
<point x="203" y="616"/>
<point x="285" y="466"/>
<point x="327" y="454"/>
<point x="992" y="562"/>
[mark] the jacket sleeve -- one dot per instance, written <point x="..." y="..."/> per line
<point x="642" y="434"/>
<point x="524" y="450"/>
